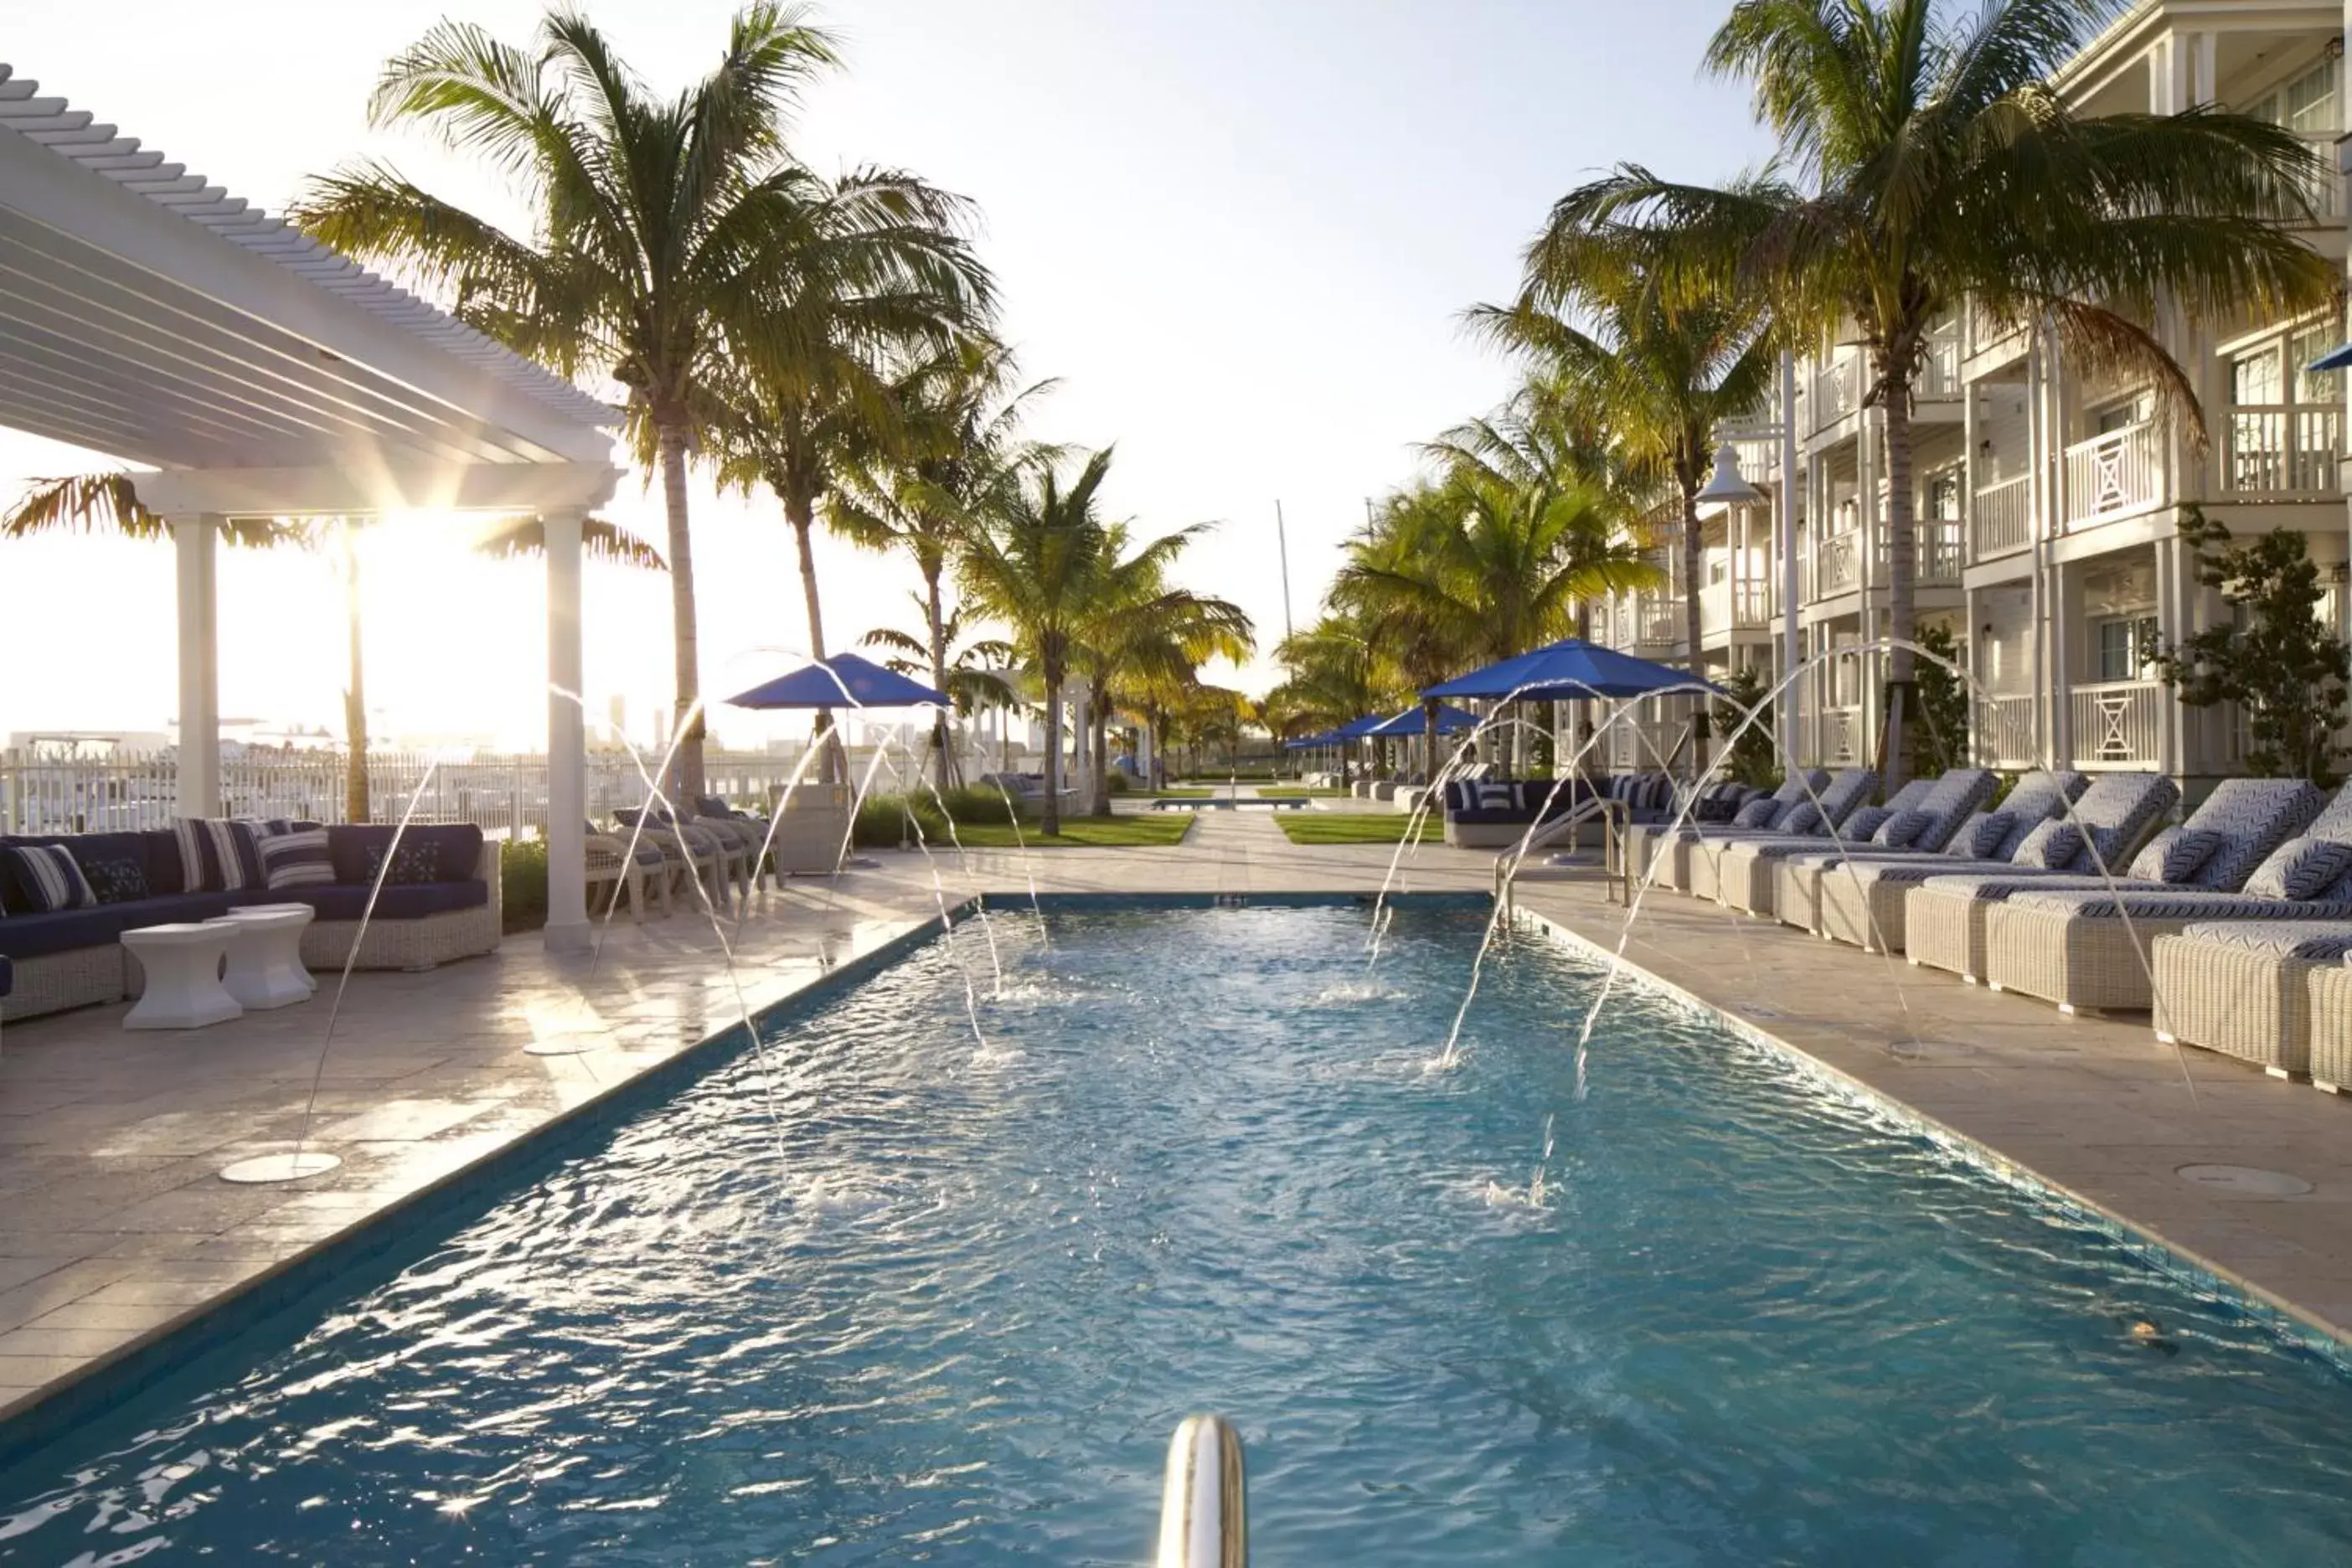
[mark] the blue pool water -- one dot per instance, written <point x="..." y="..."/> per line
<point x="879" y="1299"/>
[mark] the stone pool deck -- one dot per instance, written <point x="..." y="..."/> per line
<point x="115" y="1226"/>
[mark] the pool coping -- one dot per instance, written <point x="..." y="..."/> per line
<point x="110" y="1380"/>
<point x="2300" y="1328"/>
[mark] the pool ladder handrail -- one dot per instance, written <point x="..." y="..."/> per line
<point x="1203" y="1501"/>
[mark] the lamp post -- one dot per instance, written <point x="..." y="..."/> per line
<point x="1728" y="488"/>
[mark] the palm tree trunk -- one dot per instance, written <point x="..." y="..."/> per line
<point x="1694" y="561"/>
<point x="1052" y="825"/>
<point x="1897" y="741"/>
<point x="802" y="514"/>
<point x="355" y="769"/>
<point x="685" y="640"/>
<point x="945" y="773"/>
<point x="1100" y="741"/>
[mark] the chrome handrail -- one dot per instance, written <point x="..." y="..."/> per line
<point x="1203" y="1503"/>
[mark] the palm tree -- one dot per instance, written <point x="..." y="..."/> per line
<point x="1030" y="563"/>
<point x="973" y="672"/>
<point x="1136" y="624"/>
<point x="1659" y="375"/>
<point x="109" y="503"/>
<point x="961" y="414"/>
<point x="1926" y="161"/>
<point x="655" y="225"/>
<point x="1334" y="672"/>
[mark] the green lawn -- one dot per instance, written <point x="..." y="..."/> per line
<point x="1175" y="794"/>
<point x="1142" y="831"/>
<point x="1294" y="792"/>
<point x="1352" y="827"/>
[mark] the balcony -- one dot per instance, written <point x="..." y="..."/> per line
<point x="2116" y="474"/>
<point x="1736" y="604"/>
<point x="2003" y="518"/>
<point x="2280" y="451"/>
<point x="2118" y="723"/>
<point x="1939" y="366"/>
<point x="1656" y="623"/>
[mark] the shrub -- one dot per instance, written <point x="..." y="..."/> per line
<point x="882" y="818"/>
<point x="523" y="885"/>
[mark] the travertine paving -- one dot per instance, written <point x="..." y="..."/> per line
<point x="115" y="1225"/>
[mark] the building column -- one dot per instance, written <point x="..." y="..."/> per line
<point x="2062" y="658"/>
<point x="198" y="788"/>
<point x="1870" y="623"/>
<point x="1792" y="474"/>
<point x="567" y="742"/>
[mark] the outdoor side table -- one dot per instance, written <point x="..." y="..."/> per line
<point x="184" y="989"/>
<point x="265" y="955"/>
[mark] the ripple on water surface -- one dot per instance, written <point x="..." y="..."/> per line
<point x="870" y="1300"/>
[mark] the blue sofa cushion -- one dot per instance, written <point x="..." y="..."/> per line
<point x="37" y="936"/>
<point x="400" y="900"/>
<point x="432" y="852"/>
<point x="17" y="898"/>
<point x="49" y="878"/>
<point x="116" y="878"/>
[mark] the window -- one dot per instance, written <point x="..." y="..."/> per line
<point x="2305" y="103"/>
<point x="2120" y="416"/>
<point x="1942" y="500"/>
<point x="2302" y="349"/>
<point x="2254" y="377"/>
<point x="2119" y="644"/>
<point x="2287" y="421"/>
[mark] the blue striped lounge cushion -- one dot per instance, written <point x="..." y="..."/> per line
<point x="218" y="856"/>
<point x="297" y="860"/>
<point x="49" y="878"/>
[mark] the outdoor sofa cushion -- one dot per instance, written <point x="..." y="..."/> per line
<point x="449" y="852"/>
<point x="399" y="902"/>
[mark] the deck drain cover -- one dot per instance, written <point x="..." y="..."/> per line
<point x="1929" y="1050"/>
<point x="2248" y="1181"/>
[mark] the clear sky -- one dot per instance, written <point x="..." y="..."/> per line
<point x="1239" y="232"/>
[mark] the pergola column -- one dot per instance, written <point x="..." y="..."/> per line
<point x="567" y="742"/>
<point x="196" y="540"/>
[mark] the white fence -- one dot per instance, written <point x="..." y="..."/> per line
<point x="133" y="790"/>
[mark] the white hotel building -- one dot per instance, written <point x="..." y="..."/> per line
<point x="2048" y="500"/>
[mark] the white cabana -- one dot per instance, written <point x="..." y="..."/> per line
<point x="150" y="315"/>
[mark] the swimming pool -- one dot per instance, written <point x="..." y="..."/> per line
<point x="880" y="1296"/>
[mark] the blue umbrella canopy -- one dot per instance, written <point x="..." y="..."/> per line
<point x="1570" y="669"/>
<point x="1450" y="721"/>
<point x="1357" y="729"/>
<point x="1308" y="743"/>
<point x="843" y="680"/>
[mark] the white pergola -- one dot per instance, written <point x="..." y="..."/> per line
<point x="150" y="315"/>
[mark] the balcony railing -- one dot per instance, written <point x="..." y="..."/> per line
<point x="1836" y="392"/>
<point x="1940" y="367"/>
<point x="2114" y="474"/>
<point x="1837" y="564"/>
<point x="2278" y="450"/>
<point x="2004" y="731"/>
<point x="2004" y="517"/>
<point x="1838" y="739"/>
<point x="1657" y="623"/>
<point x="2117" y="723"/>
<point x="1738" y="605"/>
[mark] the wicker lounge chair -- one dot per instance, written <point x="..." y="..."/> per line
<point x="1846" y="793"/>
<point x="2329" y="999"/>
<point x="2244" y="987"/>
<point x="609" y="866"/>
<point x="1922" y="816"/>
<point x="1665" y="857"/>
<point x="1871" y="882"/>
<point x="1949" y="931"/>
<point x="2088" y="947"/>
<point x="1948" y="920"/>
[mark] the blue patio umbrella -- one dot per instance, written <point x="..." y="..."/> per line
<point x="843" y="680"/>
<point x="1570" y="669"/>
<point x="2333" y="359"/>
<point x="1308" y="743"/>
<point x="1357" y="729"/>
<point x="1450" y="721"/>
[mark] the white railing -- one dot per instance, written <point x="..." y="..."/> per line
<point x="2114" y="474"/>
<point x="1657" y="622"/>
<point x="1939" y="366"/>
<point x="2004" y="732"/>
<point x="1837" y="564"/>
<point x="128" y="791"/>
<point x="1741" y="604"/>
<point x="1838" y="740"/>
<point x="1983" y="334"/>
<point x="2276" y="449"/>
<point x="1939" y="551"/>
<point x="2003" y="517"/>
<point x="2117" y="723"/>
<point x="1836" y="391"/>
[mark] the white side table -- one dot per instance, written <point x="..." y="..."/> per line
<point x="265" y="955"/>
<point x="182" y="964"/>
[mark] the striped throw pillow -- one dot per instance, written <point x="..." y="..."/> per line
<point x="297" y="860"/>
<point x="218" y="856"/>
<point x="49" y="878"/>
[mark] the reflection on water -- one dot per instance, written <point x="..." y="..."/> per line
<point x="952" y="1313"/>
